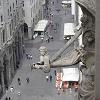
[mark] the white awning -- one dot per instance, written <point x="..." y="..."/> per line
<point x="66" y="2"/>
<point x="41" y="25"/>
<point x="69" y="29"/>
<point x="70" y="74"/>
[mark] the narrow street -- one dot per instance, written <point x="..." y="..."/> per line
<point x="38" y="88"/>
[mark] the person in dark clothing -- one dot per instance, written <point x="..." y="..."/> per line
<point x="19" y="81"/>
<point x="53" y="2"/>
<point x="52" y="38"/>
<point x="27" y="79"/>
<point x="50" y="78"/>
<point x="6" y="98"/>
<point x="55" y="72"/>
<point x="48" y="40"/>
<point x="6" y="87"/>
<point x="9" y="98"/>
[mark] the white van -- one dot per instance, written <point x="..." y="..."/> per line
<point x="68" y="31"/>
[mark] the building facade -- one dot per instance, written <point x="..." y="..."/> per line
<point x="33" y="12"/>
<point x="11" y="40"/>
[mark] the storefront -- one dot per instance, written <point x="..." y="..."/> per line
<point x="70" y="78"/>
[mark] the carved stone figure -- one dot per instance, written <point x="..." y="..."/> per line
<point x="44" y="63"/>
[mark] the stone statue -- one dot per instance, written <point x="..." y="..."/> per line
<point x="44" y="63"/>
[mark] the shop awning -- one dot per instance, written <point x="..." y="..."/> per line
<point x="70" y="74"/>
<point x="41" y="25"/>
<point x="66" y="2"/>
<point x="69" y="29"/>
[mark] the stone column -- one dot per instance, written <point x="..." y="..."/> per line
<point x="97" y="78"/>
<point x="2" y="79"/>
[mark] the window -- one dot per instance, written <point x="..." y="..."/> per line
<point x="3" y="35"/>
<point x="1" y="18"/>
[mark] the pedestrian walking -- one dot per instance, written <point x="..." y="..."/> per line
<point x="6" y="98"/>
<point x="17" y="66"/>
<point x="52" y="38"/>
<point x="53" y="2"/>
<point x="47" y="40"/>
<point x="31" y="57"/>
<point x="27" y="79"/>
<point x="7" y="88"/>
<point x="47" y="78"/>
<point x="19" y="94"/>
<point x="27" y="55"/>
<point x="9" y="98"/>
<point x="42" y="39"/>
<point x="55" y="72"/>
<point x="23" y="48"/>
<point x="19" y="81"/>
<point x="11" y="89"/>
<point x="50" y="78"/>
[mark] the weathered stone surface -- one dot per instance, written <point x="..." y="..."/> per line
<point x="89" y="5"/>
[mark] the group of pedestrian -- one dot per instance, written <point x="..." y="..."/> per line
<point x="8" y="98"/>
<point x="49" y="38"/>
<point x="29" y="56"/>
<point x="49" y="78"/>
<point x="19" y="80"/>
